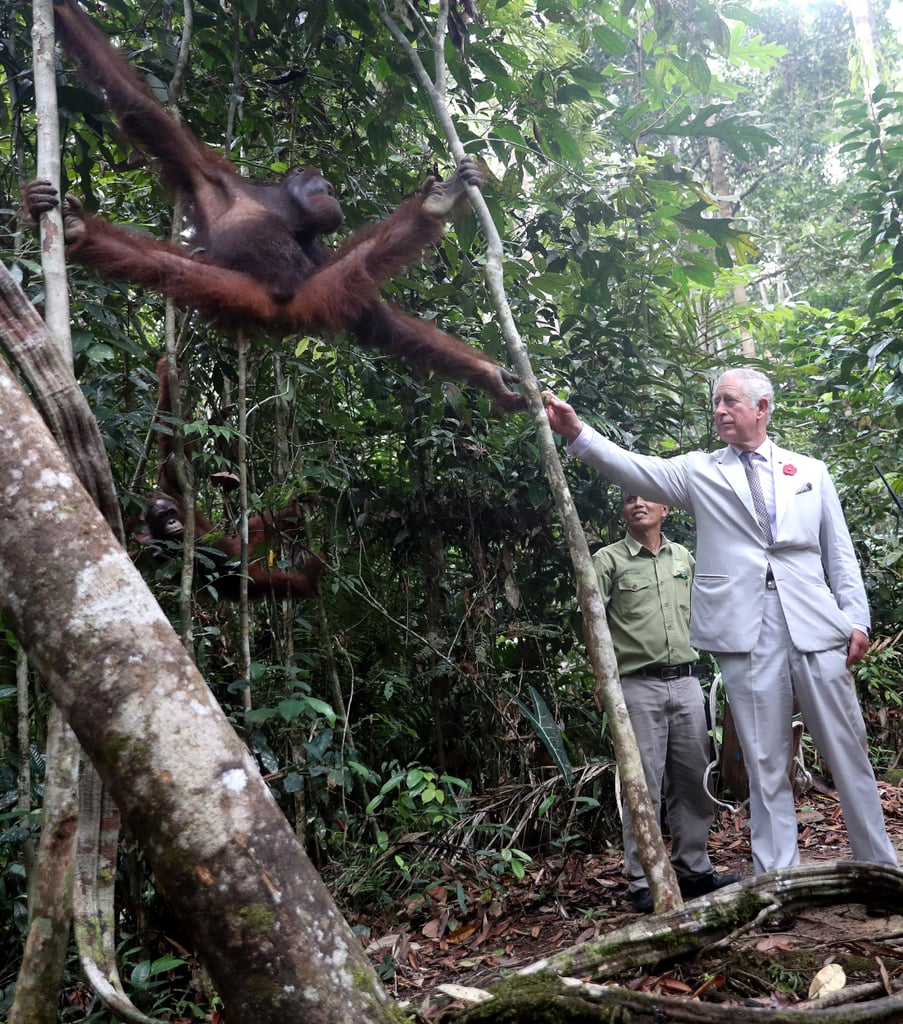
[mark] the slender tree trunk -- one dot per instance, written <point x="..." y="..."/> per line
<point x="868" y="46"/>
<point x="722" y="186"/>
<point x="50" y="904"/>
<point x="53" y="260"/>
<point x="656" y="865"/>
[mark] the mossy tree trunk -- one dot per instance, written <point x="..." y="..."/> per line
<point x="222" y="852"/>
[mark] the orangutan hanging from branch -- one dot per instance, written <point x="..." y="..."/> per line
<point x="256" y="257"/>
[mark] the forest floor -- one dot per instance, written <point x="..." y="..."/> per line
<point x="469" y="934"/>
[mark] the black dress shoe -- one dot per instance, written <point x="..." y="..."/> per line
<point x="779" y="923"/>
<point x="690" y="888"/>
<point x="641" y="901"/>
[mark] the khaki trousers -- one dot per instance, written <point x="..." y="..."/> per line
<point x="668" y="717"/>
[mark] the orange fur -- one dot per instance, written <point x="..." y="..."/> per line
<point x="257" y="256"/>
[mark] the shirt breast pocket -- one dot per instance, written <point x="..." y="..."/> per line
<point x="633" y="590"/>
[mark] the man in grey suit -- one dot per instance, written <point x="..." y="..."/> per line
<point x="767" y="536"/>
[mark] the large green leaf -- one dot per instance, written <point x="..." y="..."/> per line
<point x="548" y="731"/>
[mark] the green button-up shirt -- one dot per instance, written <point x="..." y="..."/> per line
<point x="647" y="602"/>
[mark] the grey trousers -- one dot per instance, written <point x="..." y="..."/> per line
<point x="760" y="686"/>
<point x="668" y="717"/>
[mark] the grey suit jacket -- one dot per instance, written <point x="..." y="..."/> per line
<point x="812" y="542"/>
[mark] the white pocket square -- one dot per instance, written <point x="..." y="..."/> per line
<point x="803" y="489"/>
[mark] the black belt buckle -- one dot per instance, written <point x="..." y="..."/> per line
<point x="667" y="672"/>
<point x="769" y="580"/>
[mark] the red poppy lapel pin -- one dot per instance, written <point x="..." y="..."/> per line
<point x="789" y="469"/>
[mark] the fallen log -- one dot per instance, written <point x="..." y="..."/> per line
<point x="567" y="986"/>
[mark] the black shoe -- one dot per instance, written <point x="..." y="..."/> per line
<point x="779" y="923"/>
<point x="690" y="888"/>
<point x="641" y="901"/>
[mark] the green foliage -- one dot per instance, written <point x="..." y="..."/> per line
<point x="548" y="731"/>
<point x="165" y="986"/>
<point x="787" y="981"/>
<point x="511" y="860"/>
<point x="418" y="797"/>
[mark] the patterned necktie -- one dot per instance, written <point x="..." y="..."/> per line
<point x="758" y="496"/>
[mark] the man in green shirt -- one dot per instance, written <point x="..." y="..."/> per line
<point x="645" y="581"/>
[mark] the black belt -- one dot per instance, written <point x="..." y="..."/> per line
<point x="769" y="580"/>
<point x="667" y="671"/>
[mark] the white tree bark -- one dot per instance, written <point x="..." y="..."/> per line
<point x="53" y="259"/>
